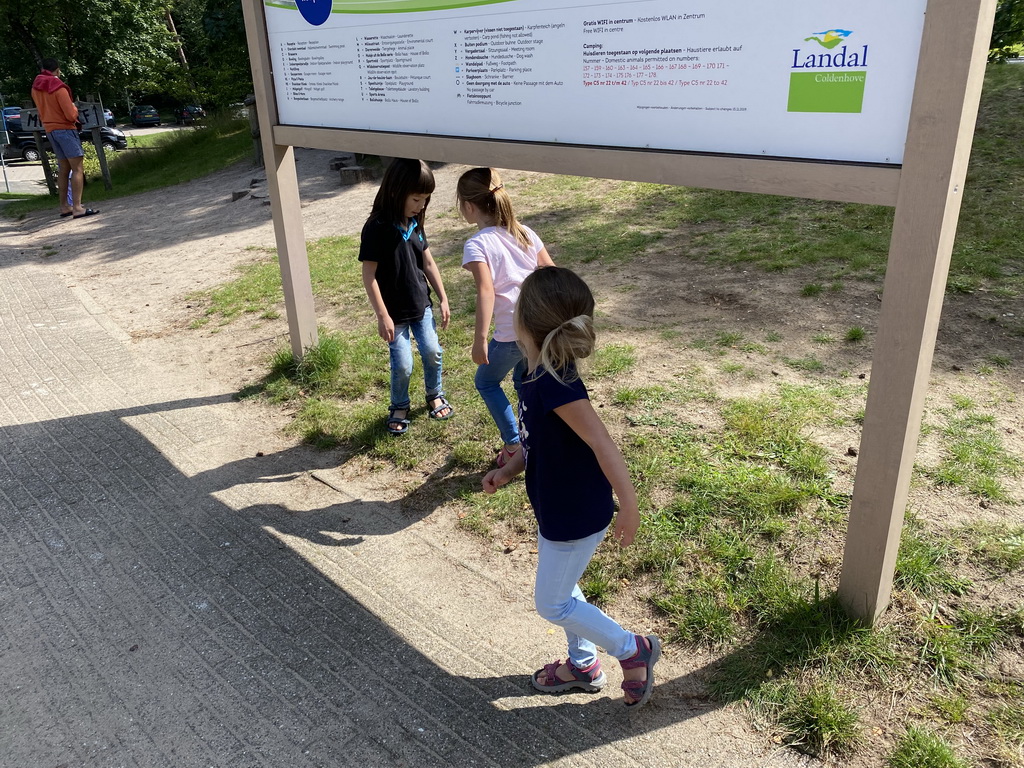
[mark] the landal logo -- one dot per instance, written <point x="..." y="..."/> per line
<point x="829" y="39"/>
<point x="828" y="82"/>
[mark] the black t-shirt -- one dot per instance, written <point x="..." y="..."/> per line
<point x="570" y="494"/>
<point x="403" y="284"/>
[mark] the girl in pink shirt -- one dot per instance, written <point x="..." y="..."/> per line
<point x="499" y="256"/>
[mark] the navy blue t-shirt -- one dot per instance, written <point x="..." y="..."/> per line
<point x="571" y="497"/>
<point x="400" y="277"/>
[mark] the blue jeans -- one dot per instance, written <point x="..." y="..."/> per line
<point x="502" y="356"/>
<point x="560" y="600"/>
<point x="425" y="333"/>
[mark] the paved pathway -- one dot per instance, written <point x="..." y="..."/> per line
<point x="171" y="598"/>
<point x="23" y="178"/>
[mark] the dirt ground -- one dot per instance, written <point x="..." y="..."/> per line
<point x="142" y="258"/>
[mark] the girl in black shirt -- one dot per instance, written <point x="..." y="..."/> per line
<point x="398" y="273"/>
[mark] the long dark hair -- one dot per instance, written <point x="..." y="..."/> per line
<point x="403" y="177"/>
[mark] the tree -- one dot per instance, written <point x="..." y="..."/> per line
<point x="1008" y="30"/>
<point x="213" y="36"/>
<point x="116" y="48"/>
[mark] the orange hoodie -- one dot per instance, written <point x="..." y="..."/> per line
<point x="57" y="110"/>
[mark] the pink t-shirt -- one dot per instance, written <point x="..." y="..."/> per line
<point x="509" y="265"/>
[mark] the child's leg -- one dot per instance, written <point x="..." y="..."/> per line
<point x="401" y="367"/>
<point x="430" y="353"/>
<point x="502" y="356"/>
<point x="559" y="600"/>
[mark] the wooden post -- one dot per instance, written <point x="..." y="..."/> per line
<point x="51" y="183"/>
<point x="950" y="73"/>
<point x="283" y="185"/>
<point x="101" y="153"/>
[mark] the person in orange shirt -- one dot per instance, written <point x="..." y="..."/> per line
<point x="59" y="116"/>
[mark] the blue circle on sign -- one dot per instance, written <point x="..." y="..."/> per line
<point x="316" y="12"/>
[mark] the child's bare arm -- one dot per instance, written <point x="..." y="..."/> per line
<point x="496" y="478"/>
<point x="584" y="421"/>
<point x="484" y="309"/>
<point x="434" y="278"/>
<point x="385" y="325"/>
<point x="544" y="258"/>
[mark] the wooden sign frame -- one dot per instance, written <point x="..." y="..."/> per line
<point x="925" y="190"/>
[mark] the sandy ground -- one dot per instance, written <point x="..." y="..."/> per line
<point x="142" y="257"/>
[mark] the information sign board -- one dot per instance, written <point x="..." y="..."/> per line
<point x="821" y="81"/>
<point x="90" y="115"/>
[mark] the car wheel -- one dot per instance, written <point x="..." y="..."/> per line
<point x="108" y="147"/>
<point x="30" y="153"/>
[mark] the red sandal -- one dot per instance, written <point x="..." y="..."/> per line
<point x="648" y="651"/>
<point x="590" y="679"/>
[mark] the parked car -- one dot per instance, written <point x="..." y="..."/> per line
<point x="143" y="114"/>
<point x="21" y="146"/>
<point x="111" y="138"/>
<point x="109" y="117"/>
<point x="23" y="143"/>
<point x="188" y="114"/>
<point x="12" y="113"/>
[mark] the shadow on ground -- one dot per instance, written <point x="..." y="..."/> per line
<point x="148" y="623"/>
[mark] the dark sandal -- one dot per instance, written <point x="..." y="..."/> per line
<point x="590" y="679"/>
<point x="396" y="426"/>
<point x="443" y="406"/>
<point x="647" y="655"/>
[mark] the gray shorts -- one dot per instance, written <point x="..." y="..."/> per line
<point x="66" y="143"/>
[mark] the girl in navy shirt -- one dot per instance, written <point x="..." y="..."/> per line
<point x="398" y="273"/>
<point x="572" y="467"/>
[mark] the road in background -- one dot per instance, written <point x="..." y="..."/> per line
<point x="26" y="178"/>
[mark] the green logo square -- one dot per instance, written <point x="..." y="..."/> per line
<point x="826" y="91"/>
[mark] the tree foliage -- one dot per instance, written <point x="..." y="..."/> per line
<point x="1008" y="30"/>
<point x="125" y="50"/>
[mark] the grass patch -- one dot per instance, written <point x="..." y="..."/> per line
<point x="611" y="360"/>
<point x="919" y="748"/>
<point x="924" y="563"/>
<point x="180" y="157"/>
<point x="334" y="273"/>
<point x="998" y="547"/>
<point x="974" y="456"/>
<point x="807" y="364"/>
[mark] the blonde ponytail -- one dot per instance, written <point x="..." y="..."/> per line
<point x="483" y="188"/>
<point x="556" y="311"/>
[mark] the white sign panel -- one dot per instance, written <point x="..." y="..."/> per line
<point x="89" y="115"/>
<point x="801" y="79"/>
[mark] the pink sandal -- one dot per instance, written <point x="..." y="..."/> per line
<point x="505" y="455"/>
<point x="590" y="679"/>
<point x="648" y="651"/>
